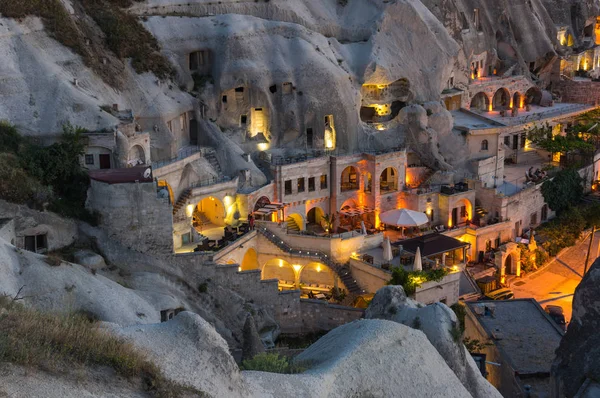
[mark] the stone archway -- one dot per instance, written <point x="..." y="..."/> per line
<point x="250" y="260"/>
<point x="501" y="99"/>
<point x="481" y="102"/>
<point x="508" y="260"/>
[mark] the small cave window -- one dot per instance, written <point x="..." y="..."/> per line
<point x="243" y="120"/>
<point x="273" y="89"/>
<point x="288" y="187"/>
<point x="484" y="145"/>
<point x="36" y="243"/>
<point x="224" y="99"/>
<point x="300" y="184"/>
<point x="287" y="88"/>
<point x="89" y="158"/>
<point x="309" y="137"/>
<point x="239" y="89"/>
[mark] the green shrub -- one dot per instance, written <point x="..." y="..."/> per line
<point x="474" y="345"/>
<point x="56" y="341"/>
<point x="410" y="281"/>
<point x="127" y="38"/>
<point x="274" y="363"/>
<point x="460" y="312"/>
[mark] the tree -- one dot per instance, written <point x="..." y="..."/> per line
<point x="564" y="190"/>
<point x="328" y="220"/>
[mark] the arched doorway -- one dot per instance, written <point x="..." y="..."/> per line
<point x="261" y="202"/>
<point x="501" y="99"/>
<point x="210" y="212"/>
<point x="518" y="100"/>
<point x="315" y="215"/>
<point x="533" y="96"/>
<point x="508" y="264"/>
<point x="462" y="212"/>
<point x="318" y="277"/>
<point x="250" y="260"/>
<point x="136" y="156"/>
<point x="282" y="271"/>
<point x="388" y="180"/>
<point x="295" y="222"/>
<point x="349" y="180"/>
<point x="480" y="102"/>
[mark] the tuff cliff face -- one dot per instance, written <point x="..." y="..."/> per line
<point x="286" y="72"/>
<point x="578" y="356"/>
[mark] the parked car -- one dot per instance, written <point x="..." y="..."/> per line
<point x="557" y="315"/>
<point x="499" y="294"/>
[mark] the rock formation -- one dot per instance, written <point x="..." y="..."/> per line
<point x="578" y="356"/>
<point x="437" y="321"/>
<point x="252" y="344"/>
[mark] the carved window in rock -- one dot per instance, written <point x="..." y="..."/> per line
<point x="36" y="243"/>
<point x="287" y="88"/>
<point x="484" y="145"/>
<point x="89" y="159"/>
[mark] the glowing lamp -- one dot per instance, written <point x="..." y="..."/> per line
<point x="189" y="210"/>
<point x="428" y="211"/>
<point x="297" y="267"/>
<point x="318" y="268"/>
<point x="490" y="107"/>
<point x="328" y="143"/>
<point x="263" y="146"/>
<point x="239" y="269"/>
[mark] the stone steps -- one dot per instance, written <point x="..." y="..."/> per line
<point x="342" y="271"/>
<point x="182" y="200"/>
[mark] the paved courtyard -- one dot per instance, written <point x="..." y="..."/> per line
<point x="557" y="282"/>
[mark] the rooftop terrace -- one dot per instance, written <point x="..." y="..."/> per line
<point x="522" y="331"/>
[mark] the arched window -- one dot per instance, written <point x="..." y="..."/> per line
<point x="484" y="145"/>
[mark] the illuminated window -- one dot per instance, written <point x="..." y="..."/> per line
<point x="300" y="184"/>
<point x="324" y="181"/>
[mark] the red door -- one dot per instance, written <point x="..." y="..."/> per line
<point x="104" y="161"/>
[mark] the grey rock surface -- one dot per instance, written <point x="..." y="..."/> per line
<point x="437" y="322"/>
<point x="578" y="356"/>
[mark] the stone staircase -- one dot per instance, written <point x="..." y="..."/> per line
<point x="185" y="195"/>
<point x="342" y="271"/>
<point x="292" y="225"/>
<point x="212" y="159"/>
<point x="201" y="219"/>
<point x="426" y="178"/>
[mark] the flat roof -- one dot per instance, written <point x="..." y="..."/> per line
<point x="121" y="176"/>
<point x="523" y="332"/>
<point x="471" y="121"/>
<point x="431" y="244"/>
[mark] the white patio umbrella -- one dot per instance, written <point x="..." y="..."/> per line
<point x="418" y="264"/>
<point x="387" y="250"/>
<point x="404" y="218"/>
<point x="363" y="228"/>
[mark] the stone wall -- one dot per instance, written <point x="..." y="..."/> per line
<point x="133" y="214"/>
<point x="582" y="92"/>
<point x="293" y="314"/>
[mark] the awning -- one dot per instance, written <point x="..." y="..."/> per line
<point x="356" y="211"/>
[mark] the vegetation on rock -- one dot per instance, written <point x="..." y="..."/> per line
<point x="33" y="174"/>
<point x="272" y="362"/>
<point x="410" y="281"/>
<point x="56" y="341"/>
<point x="124" y="35"/>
